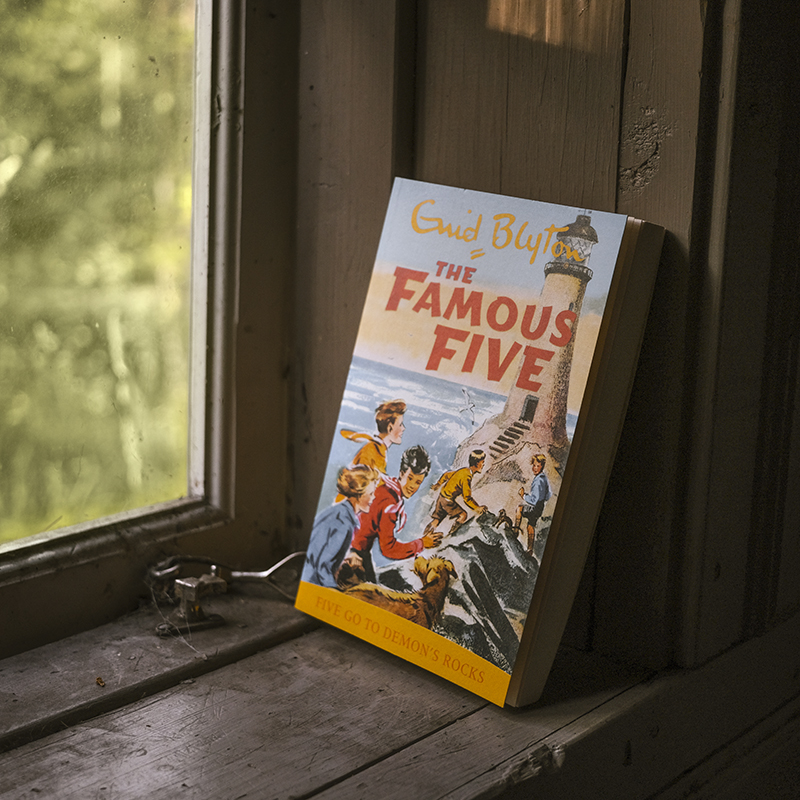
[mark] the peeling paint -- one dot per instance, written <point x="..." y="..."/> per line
<point x="641" y="150"/>
<point x="542" y="760"/>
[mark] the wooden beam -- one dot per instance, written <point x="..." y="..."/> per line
<point x="640" y="530"/>
<point x="347" y="96"/>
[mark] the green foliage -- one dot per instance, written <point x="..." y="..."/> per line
<point x="95" y="212"/>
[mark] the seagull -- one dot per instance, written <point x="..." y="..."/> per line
<point x="469" y="407"/>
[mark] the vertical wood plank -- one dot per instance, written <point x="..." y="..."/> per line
<point x="732" y="544"/>
<point x="462" y="85"/>
<point x="788" y="590"/>
<point x="638" y="532"/>
<point x="702" y="385"/>
<point x="521" y="99"/>
<point x="563" y="101"/>
<point x="721" y="506"/>
<point x="346" y="144"/>
<point x="770" y="102"/>
<point x="267" y="253"/>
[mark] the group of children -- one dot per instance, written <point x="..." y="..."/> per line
<point x="370" y="504"/>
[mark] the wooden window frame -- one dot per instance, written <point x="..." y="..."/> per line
<point x="57" y="583"/>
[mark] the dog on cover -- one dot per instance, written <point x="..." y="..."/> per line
<point x="422" y="606"/>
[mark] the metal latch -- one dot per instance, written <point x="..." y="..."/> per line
<point x="189" y="616"/>
<point x="167" y="585"/>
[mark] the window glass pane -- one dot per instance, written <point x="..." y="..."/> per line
<point x="95" y="213"/>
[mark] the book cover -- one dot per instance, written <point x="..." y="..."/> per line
<point x="440" y="507"/>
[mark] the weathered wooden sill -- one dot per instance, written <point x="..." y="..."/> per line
<point x="55" y="686"/>
<point x="273" y="706"/>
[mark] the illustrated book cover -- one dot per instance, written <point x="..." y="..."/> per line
<point x="476" y="434"/>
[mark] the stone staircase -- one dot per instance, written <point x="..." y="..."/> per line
<point x="508" y="438"/>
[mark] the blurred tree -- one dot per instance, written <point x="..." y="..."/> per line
<point x="95" y="213"/>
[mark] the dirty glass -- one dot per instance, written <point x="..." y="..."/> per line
<point x="95" y="214"/>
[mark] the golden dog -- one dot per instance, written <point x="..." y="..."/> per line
<point x="423" y="606"/>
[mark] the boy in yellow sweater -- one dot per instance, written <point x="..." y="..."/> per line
<point x="455" y="484"/>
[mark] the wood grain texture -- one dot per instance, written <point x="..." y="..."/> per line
<point x="730" y="556"/>
<point x="639" y="535"/>
<point x="488" y="753"/>
<point x="56" y="685"/>
<point x="346" y="149"/>
<point x="329" y="716"/>
<point x="267" y="251"/>
<point x="326" y="715"/>
<point x="279" y="724"/>
<point x="514" y="103"/>
<point x="630" y="744"/>
<point x="762" y="763"/>
<point x="722" y="509"/>
<point x="774" y="552"/>
<point x="787" y="596"/>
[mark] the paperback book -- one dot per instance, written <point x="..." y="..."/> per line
<point x="477" y="430"/>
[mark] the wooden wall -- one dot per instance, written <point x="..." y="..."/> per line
<point x="643" y="107"/>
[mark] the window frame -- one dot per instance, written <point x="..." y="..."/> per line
<point x="57" y="583"/>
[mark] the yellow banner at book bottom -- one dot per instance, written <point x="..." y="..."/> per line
<point x="405" y="639"/>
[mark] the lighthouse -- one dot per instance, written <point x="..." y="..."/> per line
<point x="536" y="421"/>
<point x="566" y="277"/>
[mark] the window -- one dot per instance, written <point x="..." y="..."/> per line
<point x="96" y="144"/>
<point x="55" y="583"/>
